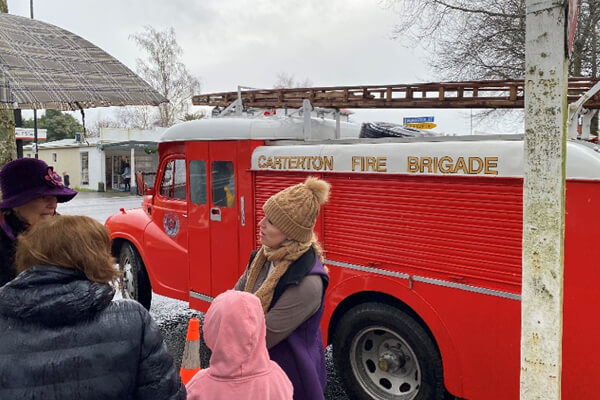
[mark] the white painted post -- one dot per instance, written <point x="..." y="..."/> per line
<point x="543" y="200"/>
<point x="132" y="180"/>
<point x="586" y="123"/>
<point x="338" y="132"/>
<point x="307" y="114"/>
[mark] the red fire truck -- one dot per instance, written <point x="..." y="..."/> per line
<point x="422" y="238"/>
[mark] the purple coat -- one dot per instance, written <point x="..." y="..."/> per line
<point x="301" y="355"/>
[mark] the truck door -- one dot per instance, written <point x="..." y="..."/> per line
<point x="213" y="214"/>
<point x="165" y="241"/>
<point x="224" y="211"/>
<point x="199" y="226"/>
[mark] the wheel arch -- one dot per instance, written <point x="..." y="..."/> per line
<point x="401" y="297"/>
<point x="116" y="245"/>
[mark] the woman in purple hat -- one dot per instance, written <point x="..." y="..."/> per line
<point x="30" y="192"/>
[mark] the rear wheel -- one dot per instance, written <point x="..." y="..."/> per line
<point x="382" y="353"/>
<point x="134" y="283"/>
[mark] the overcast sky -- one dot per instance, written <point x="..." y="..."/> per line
<point x="249" y="42"/>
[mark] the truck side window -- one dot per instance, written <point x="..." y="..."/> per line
<point x="198" y="182"/>
<point x="179" y="191"/>
<point x="166" y="184"/>
<point x="172" y="184"/>
<point x="223" y="184"/>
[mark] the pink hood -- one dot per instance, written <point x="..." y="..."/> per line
<point x="234" y="329"/>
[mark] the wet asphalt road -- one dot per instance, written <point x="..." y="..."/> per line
<point x="171" y="315"/>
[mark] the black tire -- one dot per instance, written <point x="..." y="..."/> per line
<point x="382" y="353"/>
<point x="134" y="283"/>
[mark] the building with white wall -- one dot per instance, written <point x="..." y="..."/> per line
<point x="97" y="163"/>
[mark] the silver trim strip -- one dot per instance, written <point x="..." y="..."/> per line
<point x="201" y="296"/>
<point x="368" y="269"/>
<point x="468" y="288"/>
<point x="431" y="281"/>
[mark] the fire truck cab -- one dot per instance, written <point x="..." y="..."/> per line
<point x="422" y="238"/>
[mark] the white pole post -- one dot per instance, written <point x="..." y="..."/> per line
<point x="132" y="181"/>
<point x="307" y="114"/>
<point x="543" y="200"/>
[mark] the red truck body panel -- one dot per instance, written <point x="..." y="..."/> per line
<point x="445" y="247"/>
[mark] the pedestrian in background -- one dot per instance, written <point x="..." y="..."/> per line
<point x="30" y="193"/>
<point x="61" y="336"/>
<point x="288" y="276"/>
<point x="240" y="368"/>
<point x="127" y="176"/>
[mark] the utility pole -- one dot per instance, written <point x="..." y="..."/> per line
<point x="35" y="130"/>
<point x="543" y="200"/>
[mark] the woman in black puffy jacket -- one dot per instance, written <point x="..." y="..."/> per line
<point x="62" y="336"/>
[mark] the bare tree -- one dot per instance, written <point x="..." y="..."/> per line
<point x="285" y="80"/>
<point x="165" y="72"/>
<point x="8" y="143"/>
<point x="94" y="130"/>
<point x="585" y="60"/>
<point x="485" y="39"/>
<point x="138" y="117"/>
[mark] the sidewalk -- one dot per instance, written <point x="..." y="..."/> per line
<point x="99" y="195"/>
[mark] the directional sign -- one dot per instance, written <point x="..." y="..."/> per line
<point x="28" y="133"/>
<point x="417" y="120"/>
<point x="423" y="125"/>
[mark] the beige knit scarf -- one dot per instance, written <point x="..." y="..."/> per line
<point x="281" y="257"/>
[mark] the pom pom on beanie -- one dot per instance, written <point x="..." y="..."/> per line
<point x="294" y="210"/>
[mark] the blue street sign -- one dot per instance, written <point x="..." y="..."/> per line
<point x="417" y="120"/>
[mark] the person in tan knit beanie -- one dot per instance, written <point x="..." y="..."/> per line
<point x="288" y="276"/>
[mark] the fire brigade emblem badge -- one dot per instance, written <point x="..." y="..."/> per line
<point x="171" y="224"/>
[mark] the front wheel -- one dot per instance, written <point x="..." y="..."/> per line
<point x="134" y="282"/>
<point x="382" y="353"/>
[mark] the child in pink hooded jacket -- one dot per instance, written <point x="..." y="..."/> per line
<point x="240" y="367"/>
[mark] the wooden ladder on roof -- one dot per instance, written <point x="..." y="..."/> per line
<point x="473" y="94"/>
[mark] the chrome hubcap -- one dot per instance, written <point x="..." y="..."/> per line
<point x="127" y="285"/>
<point x="385" y="365"/>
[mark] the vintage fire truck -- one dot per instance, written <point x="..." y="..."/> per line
<point x="422" y="238"/>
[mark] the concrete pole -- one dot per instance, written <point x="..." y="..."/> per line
<point x="132" y="180"/>
<point x="307" y="114"/>
<point x="543" y="200"/>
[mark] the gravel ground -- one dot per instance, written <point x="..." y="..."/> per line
<point x="172" y="317"/>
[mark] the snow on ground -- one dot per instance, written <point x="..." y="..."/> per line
<point x="165" y="308"/>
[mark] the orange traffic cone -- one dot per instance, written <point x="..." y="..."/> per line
<point x="190" y="363"/>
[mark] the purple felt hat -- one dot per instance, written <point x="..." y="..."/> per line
<point x="26" y="179"/>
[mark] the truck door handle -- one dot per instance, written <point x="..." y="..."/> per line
<point x="215" y="214"/>
<point x="243" y="207"/>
